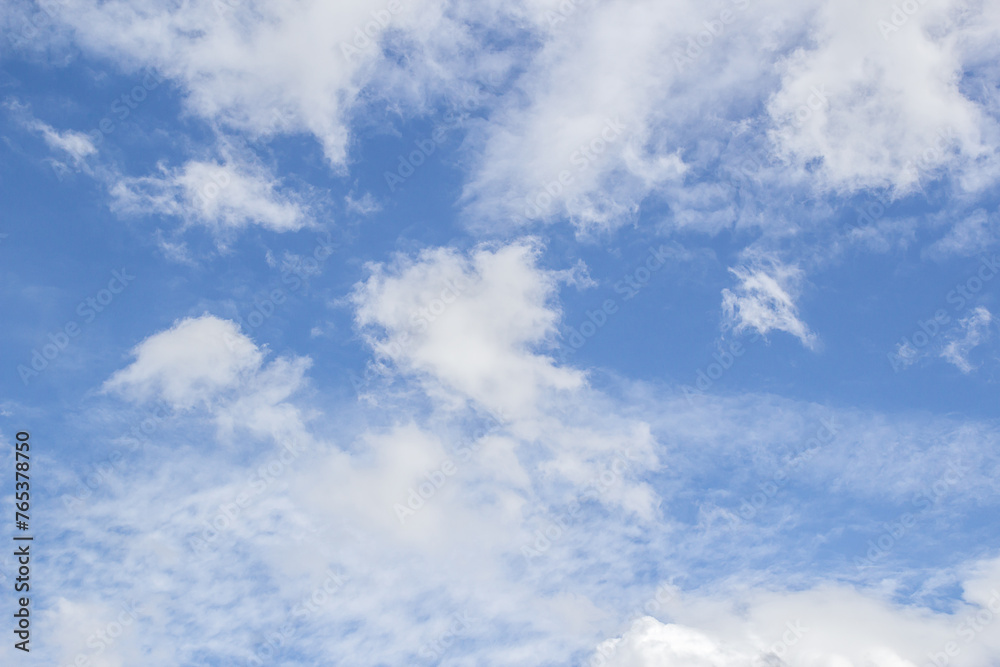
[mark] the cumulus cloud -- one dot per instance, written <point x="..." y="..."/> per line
<point x="189" y="363"/>
<point x="588" y="135"/>
<point x="881" y="106"/>
<point x="472" y="323"/>
<point x="765" y="300"/>
<point x="975" y="329"/>
<point x="614" y="104"/>
<point x="420" y="515"/>
<point x="479" y="495"/>
<point x="827" y="625"/>
<point x="650" y="642"/>
<point x="850" y="109"/>
<point x="224" y="196"/>
<point x="636" y="102"/>
<point x="261" y="68"/>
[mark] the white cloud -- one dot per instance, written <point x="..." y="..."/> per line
<point x="650" y="643"/>
<point x="475" y="326"/>
<point x="845" y="111"/>
<point x="628" y="101"/>
<point x="586" y="134"/>
<point x="260" y="68"/>
<point x="68" y="143"/>
<point x="765" y="299"/>
<point x="972" y="234"/>
<point x="892" y="105"/>
<point x="221" y="196"/>
<point x="824" y="626"/>
<point x="83" y="629"/>
<point x="472" y="323"/>
<point x="364" y="205"/>
<point x="906" y="354"/>
<point x="77" y="145"/>
<point x="976" y="330"/>
<point x="290" y="518"/>
<point x="286" y="518"/>
<point x="189" y="363"/>
<point x="471" y="328"/>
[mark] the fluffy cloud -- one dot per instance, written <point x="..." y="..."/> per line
<point x="877" y="96"/>
<point x="189" y="363"/>
<point x="651" y="643"/>
<point x="222" y="196"/>
<point x="266" y="67"/>
<point x="587" y="136"/>
<point x="828" y="625"/>
<point x="850" y="110"/>
<point x="765" y="300"/>
<point x="614" y="104"/>
<point x="302" y="502"/>
<point x="471" y="323"/>
<point x="447" y="556"/>
<point x="541" y="529"/>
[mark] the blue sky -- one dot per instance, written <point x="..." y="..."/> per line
<point x="532" y="333"/>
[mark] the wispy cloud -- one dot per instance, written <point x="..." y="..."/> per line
<point x="765" y="298"/>
<point x="974" y="330"/>
<point x="223" y="196"/>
